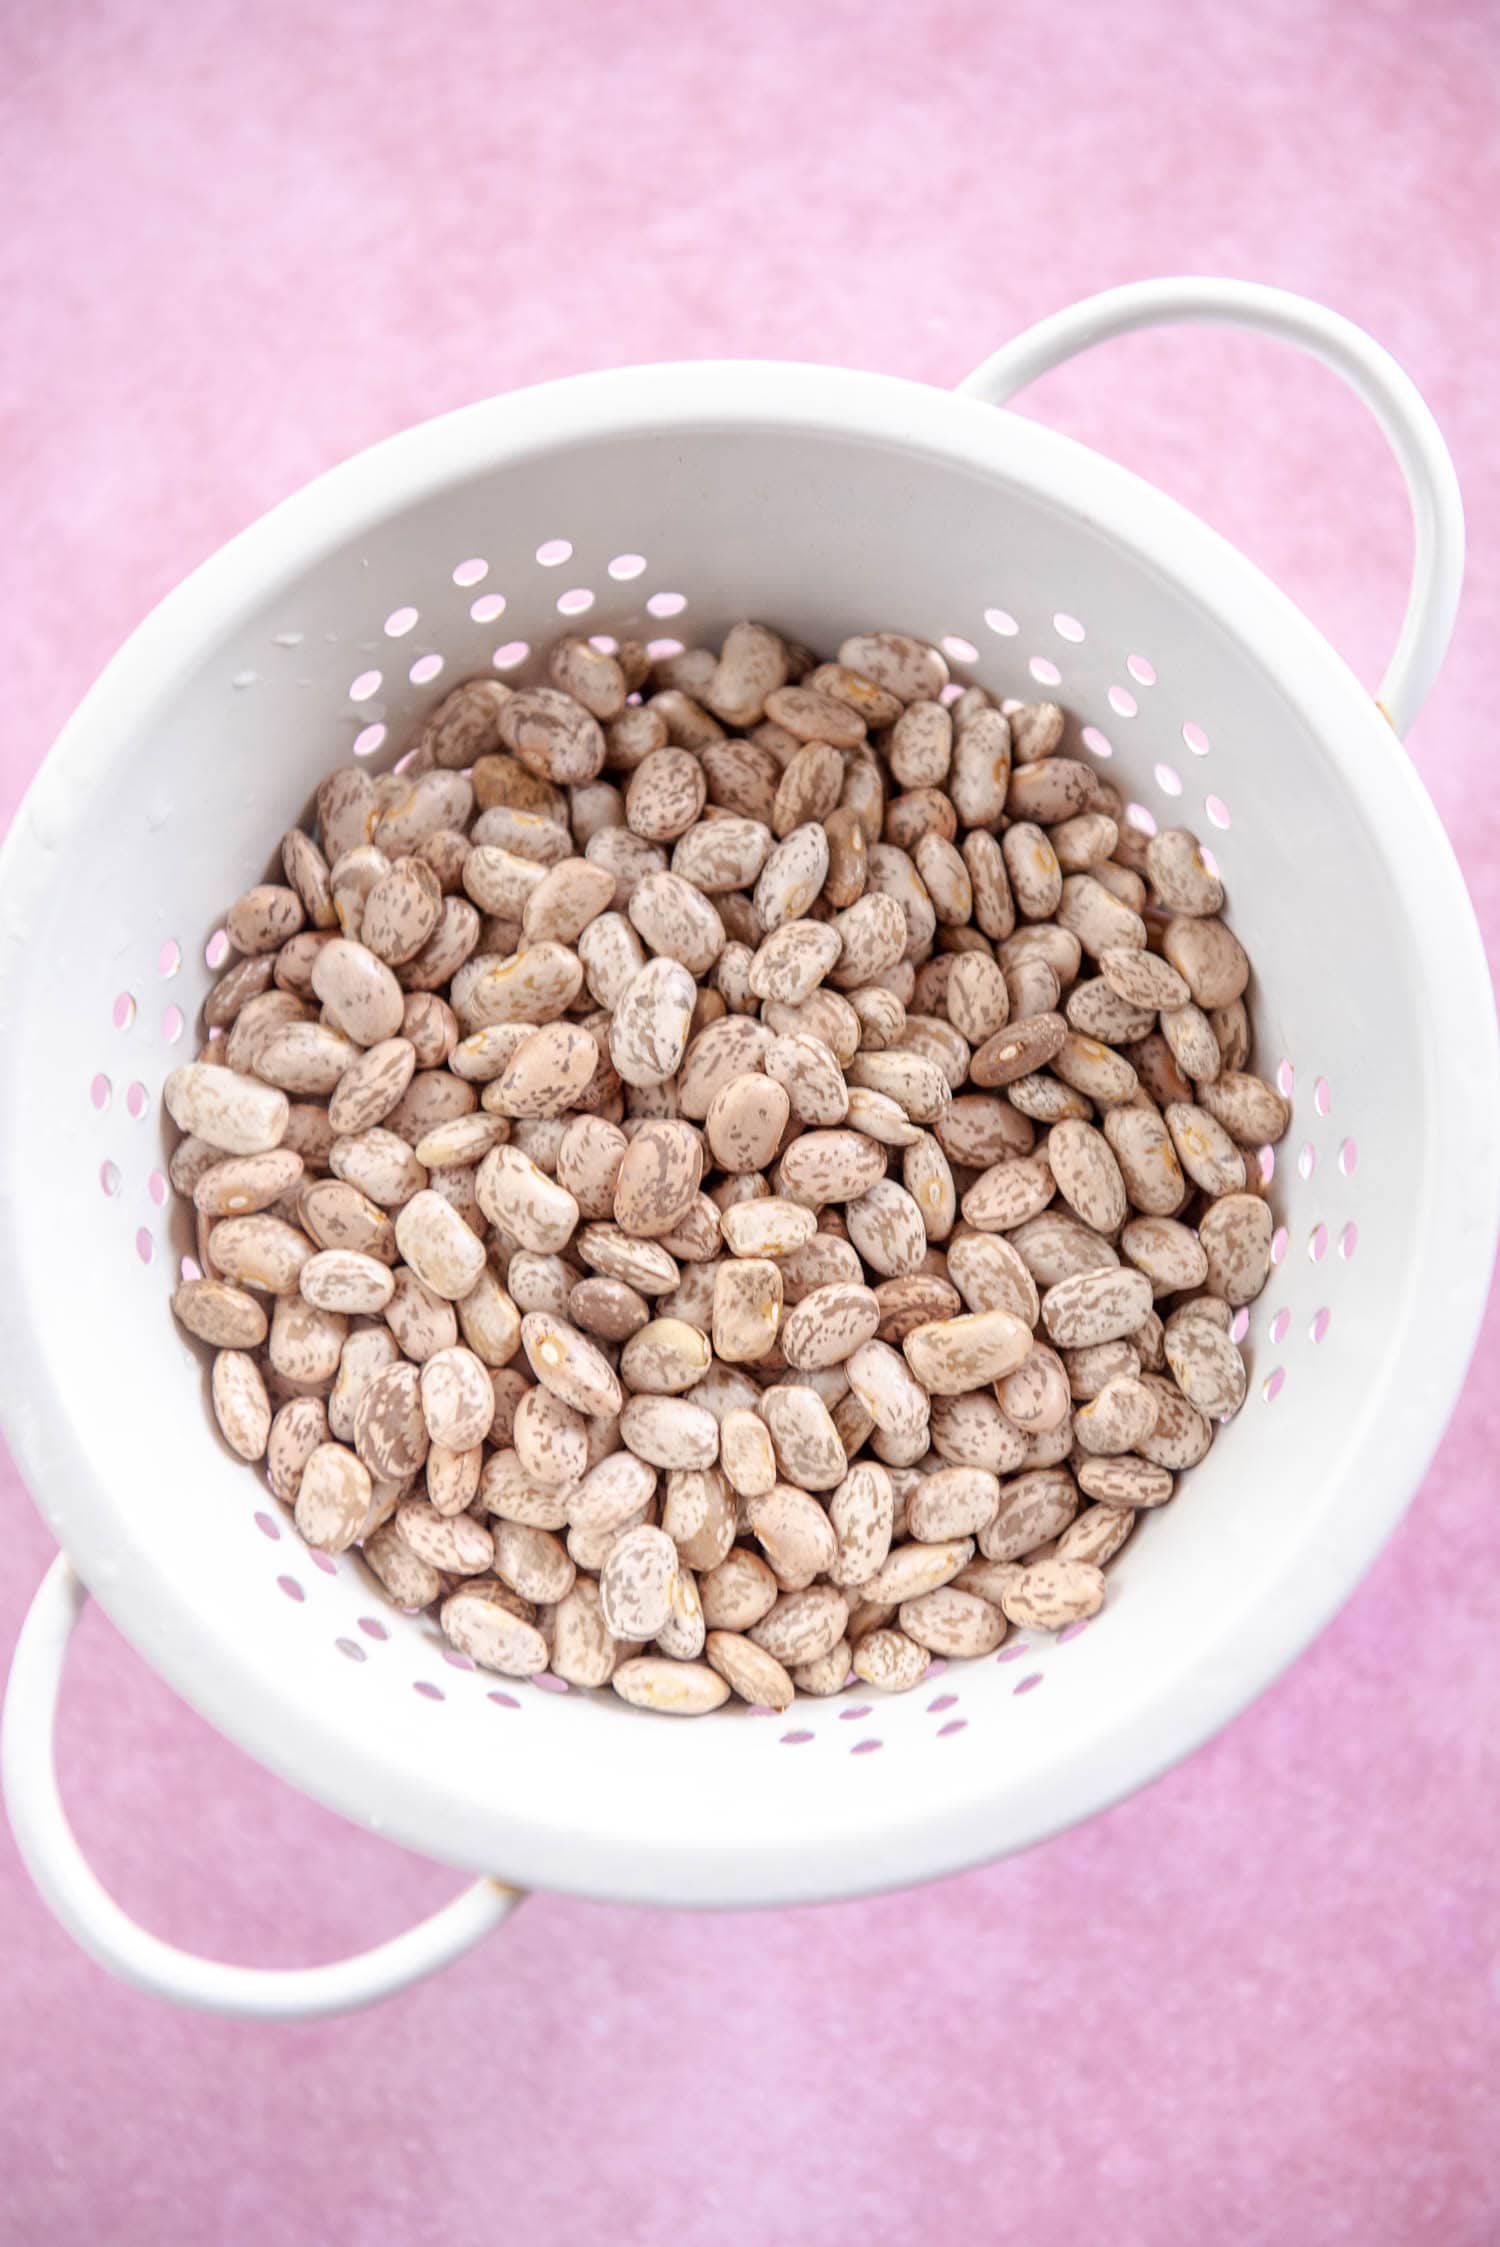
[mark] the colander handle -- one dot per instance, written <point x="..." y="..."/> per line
<point x="1390" y="394"/>
<point x="71" y="1890"/>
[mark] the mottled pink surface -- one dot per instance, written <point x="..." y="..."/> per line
<point x="1259" y="2003"/>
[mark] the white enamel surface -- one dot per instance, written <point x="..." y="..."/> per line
<point x="826" y="501"/>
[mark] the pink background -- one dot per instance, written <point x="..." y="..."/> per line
<point x="1261" y="2002"/>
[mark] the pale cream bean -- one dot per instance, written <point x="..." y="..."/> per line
<point x="1035" y="1396"/>
<point x="343" y="1280"/>
<point x="370" y="1086"/>
<point x="1098" y="919"/>
<point x="219" y="1313"/>
<point x="890" y="1661"/>
<point x="885" y="1225"/>
<point x="636" y="1583"/>
<point x="422" y="1321"/>
<point x="650" y="1681"/>
<point x="747" y="1309"/>
<point x="913" y="1569"/>
<point x="670" y="1431"/>
<point x="795" y="1535"/>
<point x="1251" y="1111"/>
<point x="641" y="1264"/>
<point x="569" y="896"/>
<point x="749" y="1671"/>
<point x="1031" y="865"/>
<point x="952" y="1503"/>
<point x="829" y="1324"/>
<point x="535" y="984"/>
<point x="1209" y="958"/>
<point x="245" y="1184"/>
<point x="401" y="911"/>
<point x="1182" y="1435"/>
<point x="959" y="1354"/>
<point x="1095" y="1070"/>
<point x="1096" y="1306"/>
<point x="991" y="1275"/>
<point x="552" y="735"/>
<point x="1089" y="1368"/>
<point x="1142" y="1146"/>
<point x="665" y="795"/>
<point x="380" y="1165"/>
<point x="491" y="1634"/>
<point x="524" y="1202"/>
<point x="748" y="1116"/>
<point x="485" y="1054"/>
<point x="1205" y="1150"/>
<point x="1118" y="1419"/>
<point x="1096" y="1535"/>
<point x="438" y="1246"/>
<point x="1018" y="1050"/>
<point x="972" y="1431"/>
<point x="458" y="1401"/>
<point x="801" y="1625"/>
<point x="230" y="1112"/>
<point x="667" y="1357"/>
<point x="978" y="1004"/>
<point x="262" y="1252"/>
<point x="1034" y="1507"/>
<point x="458" y="1142"/>
<point x="672" y="917"/>
<point x="649" y="1031"/>
<point x="263" y="919"/>
<point x="1171" y="1255"/>
<point x="682" y="1634"/>
<point x="739" y="1593"/>
<point x="241" y="1406"/>
<point x="805" y="1440"/>
<point x="824" y="1016"/>
<point x="1085" y="841"/>
<point x="1094" y="1011"/>
<point x="771" y="1227"/>
<point x="1087" y="1174"/>
<point x="699" y="1514"/>
<point x="532" y="1562"/>
<point x="1181" y="880"/>
<point x="1235" y="1235"/>
<point x="452" y="1477"/>
<point x="390" y="1433"/>
<point x="1125" y="1482"/>
<point x="296" y="1432"/>
<point x="589" y="1155"/>
<point x="793" y="960"/>
<point x="1053" y="1594"/>
<point x="1008" y="1193"/>
<point x="873" y="935"/>
<point x="306" y="1058"/>
<point x="333" y="1498"/>
<point x="503" y="881"/>
<point x="747" y="1454"/>
<point x="1205" y="1363"/>
<point x="359" y="992"/>
<point x="952" y="1623"/>
<point x="658" y="1178"/>
<point x="583" y="1653"/>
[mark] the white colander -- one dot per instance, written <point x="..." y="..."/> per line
<point x="674" y="500"/>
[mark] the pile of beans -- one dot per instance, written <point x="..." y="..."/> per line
<point x="727" y="1174"/>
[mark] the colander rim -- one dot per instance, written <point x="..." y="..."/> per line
<point x="860" y="1851"/>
